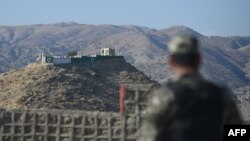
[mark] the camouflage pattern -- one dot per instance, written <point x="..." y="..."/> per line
<point x="184" y="44"/>
<point x="188" y="108"/>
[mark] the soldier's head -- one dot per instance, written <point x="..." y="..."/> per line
<point x="184" y="54"/>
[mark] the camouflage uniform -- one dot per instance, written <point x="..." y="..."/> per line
<point x="189" y="108"/>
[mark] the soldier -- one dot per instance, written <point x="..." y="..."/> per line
<point x="188" y="108"/>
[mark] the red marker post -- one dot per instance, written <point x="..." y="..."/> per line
<point x="122" y="93"/>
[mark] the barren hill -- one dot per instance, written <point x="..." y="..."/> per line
<point x="226" y="58"/>
<point x="81" y="86"/>
<point x="243" y="99"/>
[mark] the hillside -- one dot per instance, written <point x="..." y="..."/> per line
<point x="226" y="59"/>
<point x="68" y="86"/>
<point x="243" y="99"/>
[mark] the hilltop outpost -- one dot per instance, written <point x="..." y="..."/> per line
<point x="88" y="82"/>
<point x="106" y="53"/>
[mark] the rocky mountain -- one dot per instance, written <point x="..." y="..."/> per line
<point x="81" y="86"/>
<point x="226" y="59"/>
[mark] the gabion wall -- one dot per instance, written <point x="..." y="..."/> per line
<point x="134" y="98"/>
<point x="42" y="125"/>
<point x="62" y="125"/>
<point x="65" y="125"/>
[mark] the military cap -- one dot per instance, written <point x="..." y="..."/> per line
<point x="183" y="44"/>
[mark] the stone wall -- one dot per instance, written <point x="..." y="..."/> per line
<point x="65" y="125"/>
<point x="55" y="125"/>
<point x="134" y="98"/>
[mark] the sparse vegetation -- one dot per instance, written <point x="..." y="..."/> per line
<point x="67" y="86"/>
<point x="225" y="58"/>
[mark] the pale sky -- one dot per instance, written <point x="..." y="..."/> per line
<point x="209" y="17"/>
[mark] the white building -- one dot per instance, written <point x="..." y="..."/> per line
<point x="107" y="52"/>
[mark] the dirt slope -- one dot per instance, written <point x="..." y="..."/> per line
<point x="82" y="86"/>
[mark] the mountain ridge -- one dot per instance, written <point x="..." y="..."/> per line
<point x="145" y="48"/>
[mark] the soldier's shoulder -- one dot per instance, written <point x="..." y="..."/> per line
<point x="160" y="87"/>
<point x="224" y="92"/>
<point x="161" y="90"/>
<point x="217" y="87"/>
